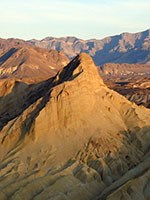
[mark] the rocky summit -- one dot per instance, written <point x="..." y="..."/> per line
<point x="71" y="138"/>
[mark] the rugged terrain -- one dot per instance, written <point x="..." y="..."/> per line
<point x="70" y="137"/>
<point x="123" y="48"/>
<point x="130" y="80"/>
<point x="124" y="70"/>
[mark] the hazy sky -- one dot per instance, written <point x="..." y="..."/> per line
<point x="81" y="18"/>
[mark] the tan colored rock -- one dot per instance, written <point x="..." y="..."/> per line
<point x="77" y="139"/>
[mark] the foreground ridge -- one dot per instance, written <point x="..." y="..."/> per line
<point x="76" y="139"/>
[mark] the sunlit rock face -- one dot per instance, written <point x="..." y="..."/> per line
<point x="72" y="138"/>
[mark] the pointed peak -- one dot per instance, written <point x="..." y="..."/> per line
<point x="86" y="62"/>
<point x="84" y="56"/>
<point x="84" y="59"/>
<point x="83" y="66"/>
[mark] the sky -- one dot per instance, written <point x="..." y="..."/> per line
<point x="86" y="19"/>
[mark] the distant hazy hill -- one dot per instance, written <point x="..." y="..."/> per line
<point x="123" y="48"/>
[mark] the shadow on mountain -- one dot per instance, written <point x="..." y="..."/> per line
<point x="20" y="98"/>
<point x="23" y="95"/>
<point x="7" y="55"/>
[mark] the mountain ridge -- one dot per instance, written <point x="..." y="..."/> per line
<point x="28" y="62"/>
<point x="123" y="48"/>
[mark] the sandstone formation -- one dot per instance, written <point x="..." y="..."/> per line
<point x="123" y="48"/>
<point x="73" y="139"/>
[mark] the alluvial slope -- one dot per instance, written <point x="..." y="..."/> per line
<point x="74" y="141"/>
<point x="123" y="48"/>
<point x="27" y="62"/>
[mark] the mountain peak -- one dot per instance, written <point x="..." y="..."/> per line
<point x="84" y="57"/>
<point x="82" y="65"/>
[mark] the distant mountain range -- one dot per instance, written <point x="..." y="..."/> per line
<point x="128" y="48"/>
<point x="124" y="48"/>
